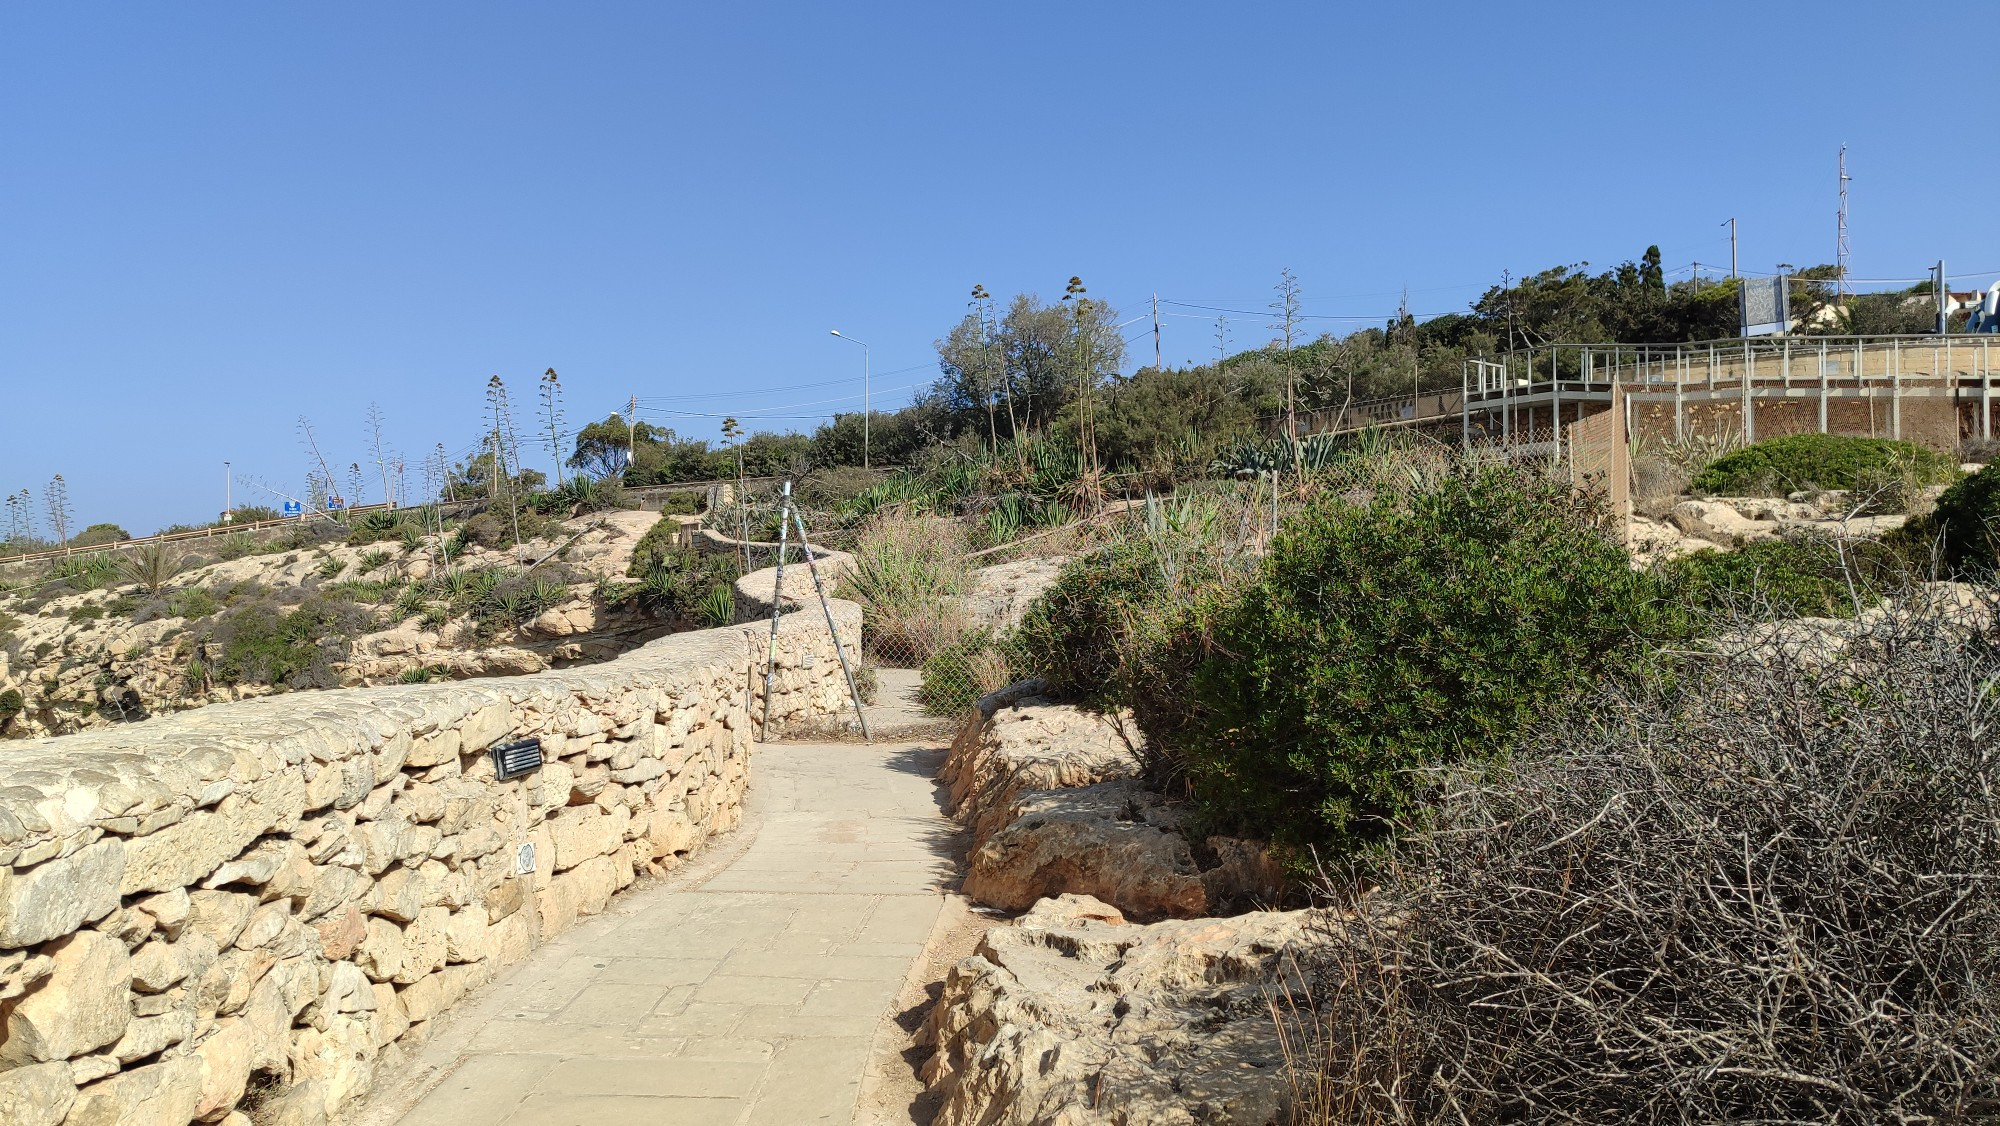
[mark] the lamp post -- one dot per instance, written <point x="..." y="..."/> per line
<point x="865" y="362"/>
<point x="228" y="517"/>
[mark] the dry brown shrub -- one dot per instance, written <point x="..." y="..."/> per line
<point x="1764" y="887"/>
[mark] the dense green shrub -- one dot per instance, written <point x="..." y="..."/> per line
<point x="1076" y="635"/>
<point x="262" y="643"/>
<point x="1963" y="531"/>
<point x="1384" y="639"/>
<point x="680" y="502"/>
<point x="660" y="540"/>
<point x="1802" y="576"/>
<point x="1826" y="461"/>
<point x="11" y="705"/>
<point x="99" y="534"/>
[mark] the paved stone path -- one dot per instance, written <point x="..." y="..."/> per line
<point x="745" y="994"/>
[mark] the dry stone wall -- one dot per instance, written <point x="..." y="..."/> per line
<point x="271" y="895"/>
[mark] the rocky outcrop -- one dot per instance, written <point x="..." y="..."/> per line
<point x="1075" y="1016"/>
<point x="273" y="894"/>
<point x="1001" y="593"/>
<point x="755" y="590"/>
<point x="1053" y="797"/>
<point x="84" y="659"/>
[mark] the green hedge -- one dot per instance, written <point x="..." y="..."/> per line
<point x="1963" y="530"/>
<point x="1803" y="576"/>
<point x="1385" y="640"/>
<point x="1826" y="461"/>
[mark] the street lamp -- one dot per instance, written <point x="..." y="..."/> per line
<point x="865" y="359"/>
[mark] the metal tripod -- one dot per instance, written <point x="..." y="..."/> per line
<point x="788" y="517"/>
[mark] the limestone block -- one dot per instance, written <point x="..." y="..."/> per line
<point x="184" y="853"/>
<point x="340" y="935"/>
<point x="161" y="1094"/>
<point x="157" y="967"/>
<point x="505" y="898"/>
<point x="270" y="1024"/>
<point x="254" y="868"/>
<point x="465" y="935"/>
<point x="170" y="908"/>
<point x="392" y="755"/>
<point x="484" y="727"/>
<point x="672" y="833"/>
<point x="266" y="924"/>
<point x="38" y="1095"/>
<point x="434" y="993"/>
<point x="238" y="972"/>
<point x="378" y="799"/>
<point x="510" y="940"/>
<point x="220" y="916"/>
<point x="419" y="841"/>
<point x="423" y="945"/>
<point x="89" y="1069"/>
<point x="399" y="895"/>
<point x="583" y="890"/>
<point x="225" y="1069"/>
<point x="381" y="842"/>
<point x="340" y="1058"/>
<point x="391" y="1021"/>
<point x="147" y="1036"/>
<point x="82" y="1006"/>
<point x="581" y="832"/>
<point x="332" y="888"/>
<point x="380" y="955"/>
<point x="589" y="782"/>
<point x="432" y="749"/>
<point x="55" y="897"/>
<point x="422" y="803"/>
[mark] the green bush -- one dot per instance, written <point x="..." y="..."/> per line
<point x="99" y="534"/>
<point x="1826" y="461"/>
<point x="680" y="502"/>
<point x="1076" y="634"/>
<point x="262" y="643"/>
<point x="1383" y="640"/>
<point x="1963" y="531"/>
<point x="660" y="540"/>
<point x="87" y="613"/>
<point x="193" y="602"/>
<point x="11" y="705"/>
<point x="1803" y="576"/>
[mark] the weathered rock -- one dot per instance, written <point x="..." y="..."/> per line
<point x="1074" y="1016"/>
<point x="37" y="1095"/>
<point x="1031" y="745"/>
<point x="1001" y="594"/>
<point x="161" y="1094"/>
<point x="225" y="1069"/>
<point x="1720" y="523"/>
<point x="56" y="896"/>
<point x="1116" y="841"/>
<point x="82" y="1006"/>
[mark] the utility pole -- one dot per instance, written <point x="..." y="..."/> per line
<point x="1157" y="365"/>
<point x="631" y="431"/>
<point x="227" y="516"/>
<point x="1732" y="247"/>
<point x="1840" y="244"/>
<point x="1943" y="300"/>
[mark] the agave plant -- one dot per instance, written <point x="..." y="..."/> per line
<point x="151" y="565"/>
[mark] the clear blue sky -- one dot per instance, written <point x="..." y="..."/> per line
<point x="217" y="217"/>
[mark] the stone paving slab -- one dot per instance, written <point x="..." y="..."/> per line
<point x="748" y="995"/>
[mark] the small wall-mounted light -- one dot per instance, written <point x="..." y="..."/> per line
<point x="512" y="760"/>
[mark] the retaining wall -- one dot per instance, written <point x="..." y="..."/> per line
<point x="270" y="895"/>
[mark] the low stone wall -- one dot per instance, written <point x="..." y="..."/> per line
<point x="269" y="895"/>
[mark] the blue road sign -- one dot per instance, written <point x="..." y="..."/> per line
<point x="335" y="504"/>
<point x="294" y="508"/>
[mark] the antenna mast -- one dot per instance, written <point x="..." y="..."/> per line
<point x="1840" y="249"/>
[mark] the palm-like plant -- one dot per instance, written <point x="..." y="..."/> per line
<point x="151" y="565"/>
